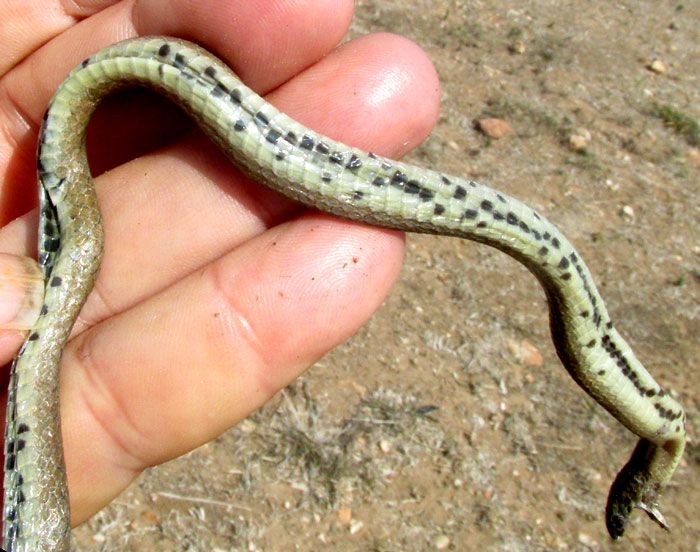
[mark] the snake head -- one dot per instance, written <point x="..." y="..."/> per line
<point x="634" y="487"/>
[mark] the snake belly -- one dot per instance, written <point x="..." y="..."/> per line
<point x="326" y="175"/>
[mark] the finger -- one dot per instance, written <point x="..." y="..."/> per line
<point x="25" y="91"/>
<point x="17" y="238"/>
<point x="21" y="297"/>
<point x="180" y="368"/>
<point x="28" y="25"/>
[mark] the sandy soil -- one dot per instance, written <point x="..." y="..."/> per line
<point x="436" y="427"/>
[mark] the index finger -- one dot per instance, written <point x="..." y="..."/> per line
<point x="266" y="43"/>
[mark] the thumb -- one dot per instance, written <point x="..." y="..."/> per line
<point x="21" y="298"/>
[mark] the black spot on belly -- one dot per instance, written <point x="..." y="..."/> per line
<point x="399" y="179"/>
<point x="219" y="90"/>
<point x="261" y="119"/>
<point x="355" y="163"/>
<point x="307" y="143"/>
<point x="51" y="244"/>
<point x="425" y="194"/>
<point x="164" y="50"/>
<point x="411" y="187"/>
<point x="235" y="96"/>
<point x="56" y="281"/>
<point x="272" y="136"/>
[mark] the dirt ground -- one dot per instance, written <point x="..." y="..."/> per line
<point x="448" y="423"/>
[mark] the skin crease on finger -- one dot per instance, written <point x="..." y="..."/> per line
<point x="124" y="422"/>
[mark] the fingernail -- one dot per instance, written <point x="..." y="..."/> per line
<point x="21" y="292"/>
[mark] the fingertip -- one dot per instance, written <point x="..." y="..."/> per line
<point x="379" y="92"/>
<point x="21" y="291"/>
<point x="265" y="42"/>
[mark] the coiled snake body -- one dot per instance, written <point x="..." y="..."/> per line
<point x="329" y="176"/>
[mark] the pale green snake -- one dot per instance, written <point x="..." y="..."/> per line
<point x="323" y="174"/>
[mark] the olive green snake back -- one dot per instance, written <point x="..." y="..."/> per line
<point x="326" y="175"/>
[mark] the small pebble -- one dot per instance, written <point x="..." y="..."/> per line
<point x="657" y="66"/>
<point x="518" y="47"/>
<point x="442" y="542"/>
<point x="345" y="515"/>
<point x="247" y="426"/>
<point x="494" y="128"/>
<point x="587" y="540"/>
<point x="526" y="352"/>
<point x="579" y="139"/>
<point x="356" y="526"/>
<point x="149" y="515"/>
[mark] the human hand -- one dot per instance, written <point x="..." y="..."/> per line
<point x="215" y="292"/>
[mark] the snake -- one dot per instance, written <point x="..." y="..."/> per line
<point x="323" y="174"/>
